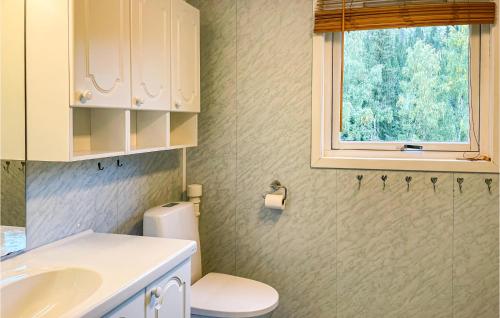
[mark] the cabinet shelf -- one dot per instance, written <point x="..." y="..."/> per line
<point x="183" y="130"/>
<point x="90" y="154"/>
<point x="97" y="133"/>
<point x="148" y="130"/>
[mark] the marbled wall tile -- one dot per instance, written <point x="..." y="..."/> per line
<point x="255" y="127"/>
<point x="294" y="249"/>
<point x="394" y="245"/>
<point x="131" y="187"/>
<point x="475" y="275"/>
<point x="59" y="200"/>
<point x="307" y="247"/>
<point x="217" y="136"/>
<point x="67" y="198"/>
<point x="217" y="220"/>
<point x="12" y="193"/>
<point x="217" y="129"/>
<point x="106" y="206"/>
<point x="274" y="62"/>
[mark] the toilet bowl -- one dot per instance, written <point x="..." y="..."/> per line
<point x="213" y="295"/>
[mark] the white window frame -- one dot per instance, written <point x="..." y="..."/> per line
<point x="326" y="153"/>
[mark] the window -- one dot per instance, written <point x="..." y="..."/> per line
<point x="409" y="86"/>
<point x="412" y="98"/>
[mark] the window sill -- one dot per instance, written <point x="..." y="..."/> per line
<point x="452" y="165"/>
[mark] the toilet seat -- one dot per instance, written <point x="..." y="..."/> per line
<point x="221" y="295"/>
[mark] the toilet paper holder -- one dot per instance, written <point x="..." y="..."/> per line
<point x="275" y="187"/>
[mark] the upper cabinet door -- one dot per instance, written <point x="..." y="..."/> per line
<point x="185" y="57"/>
<point x="101" y="53"/>
<point x="151" y="54"/>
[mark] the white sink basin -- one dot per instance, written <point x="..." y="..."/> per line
<point x="48" y="294"/>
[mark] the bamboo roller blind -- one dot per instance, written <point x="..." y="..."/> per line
<point x="351" y="15"/>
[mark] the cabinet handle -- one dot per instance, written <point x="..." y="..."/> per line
<point x="85" y="96"/>
<point x="139" y="101"/>
<point x="178" y="105"/>
<point x="156" y="298"/>
<point x="156" y="292"/>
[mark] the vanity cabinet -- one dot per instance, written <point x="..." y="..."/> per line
<point x="108" y="78"/>
<point x="167" y="297"/>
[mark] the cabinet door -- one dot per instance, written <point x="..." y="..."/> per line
<point x="185" y="57"/>
<point x="151" y="53"/>
<point x="168" y="297"/>
<point x="101" y="53"/>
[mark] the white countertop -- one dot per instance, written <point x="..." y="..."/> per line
<point x="125" y="263"/>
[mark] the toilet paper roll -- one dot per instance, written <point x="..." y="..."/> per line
<point x="275" y="201"/>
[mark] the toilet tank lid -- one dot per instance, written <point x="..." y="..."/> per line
<point x="167" y="208"/>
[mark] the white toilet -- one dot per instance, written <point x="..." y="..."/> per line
<point x="213" y="295"/>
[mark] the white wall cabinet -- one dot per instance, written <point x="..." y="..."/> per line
<point x="185" y="57"/>
<point x="102" y="77"/>
<point x="168" y="297"/>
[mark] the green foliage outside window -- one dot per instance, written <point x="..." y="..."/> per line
<point x="407" y="85"/>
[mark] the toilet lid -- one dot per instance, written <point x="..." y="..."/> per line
<point x="222" y="295"/>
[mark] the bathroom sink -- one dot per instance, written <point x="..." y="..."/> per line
<point x="47" y="294"/>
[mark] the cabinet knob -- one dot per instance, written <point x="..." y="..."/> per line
<point x="157" y="292"/>
<point x="85" y="96"/>
<point x="178" y="105"/>
<point x="139" y="101"/>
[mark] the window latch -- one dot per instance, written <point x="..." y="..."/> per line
<point x="412" y="147"/>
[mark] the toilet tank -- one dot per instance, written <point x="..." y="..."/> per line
<point x="175" y="220"/>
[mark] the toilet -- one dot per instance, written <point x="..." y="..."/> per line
<point x="213" y="295"/>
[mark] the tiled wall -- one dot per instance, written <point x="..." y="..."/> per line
<point x="12" y="198"/>
<point x="67" y="198"/>
<point x="336" y="251"/>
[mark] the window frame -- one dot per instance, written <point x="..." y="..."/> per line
<point x="327" y="154"/>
